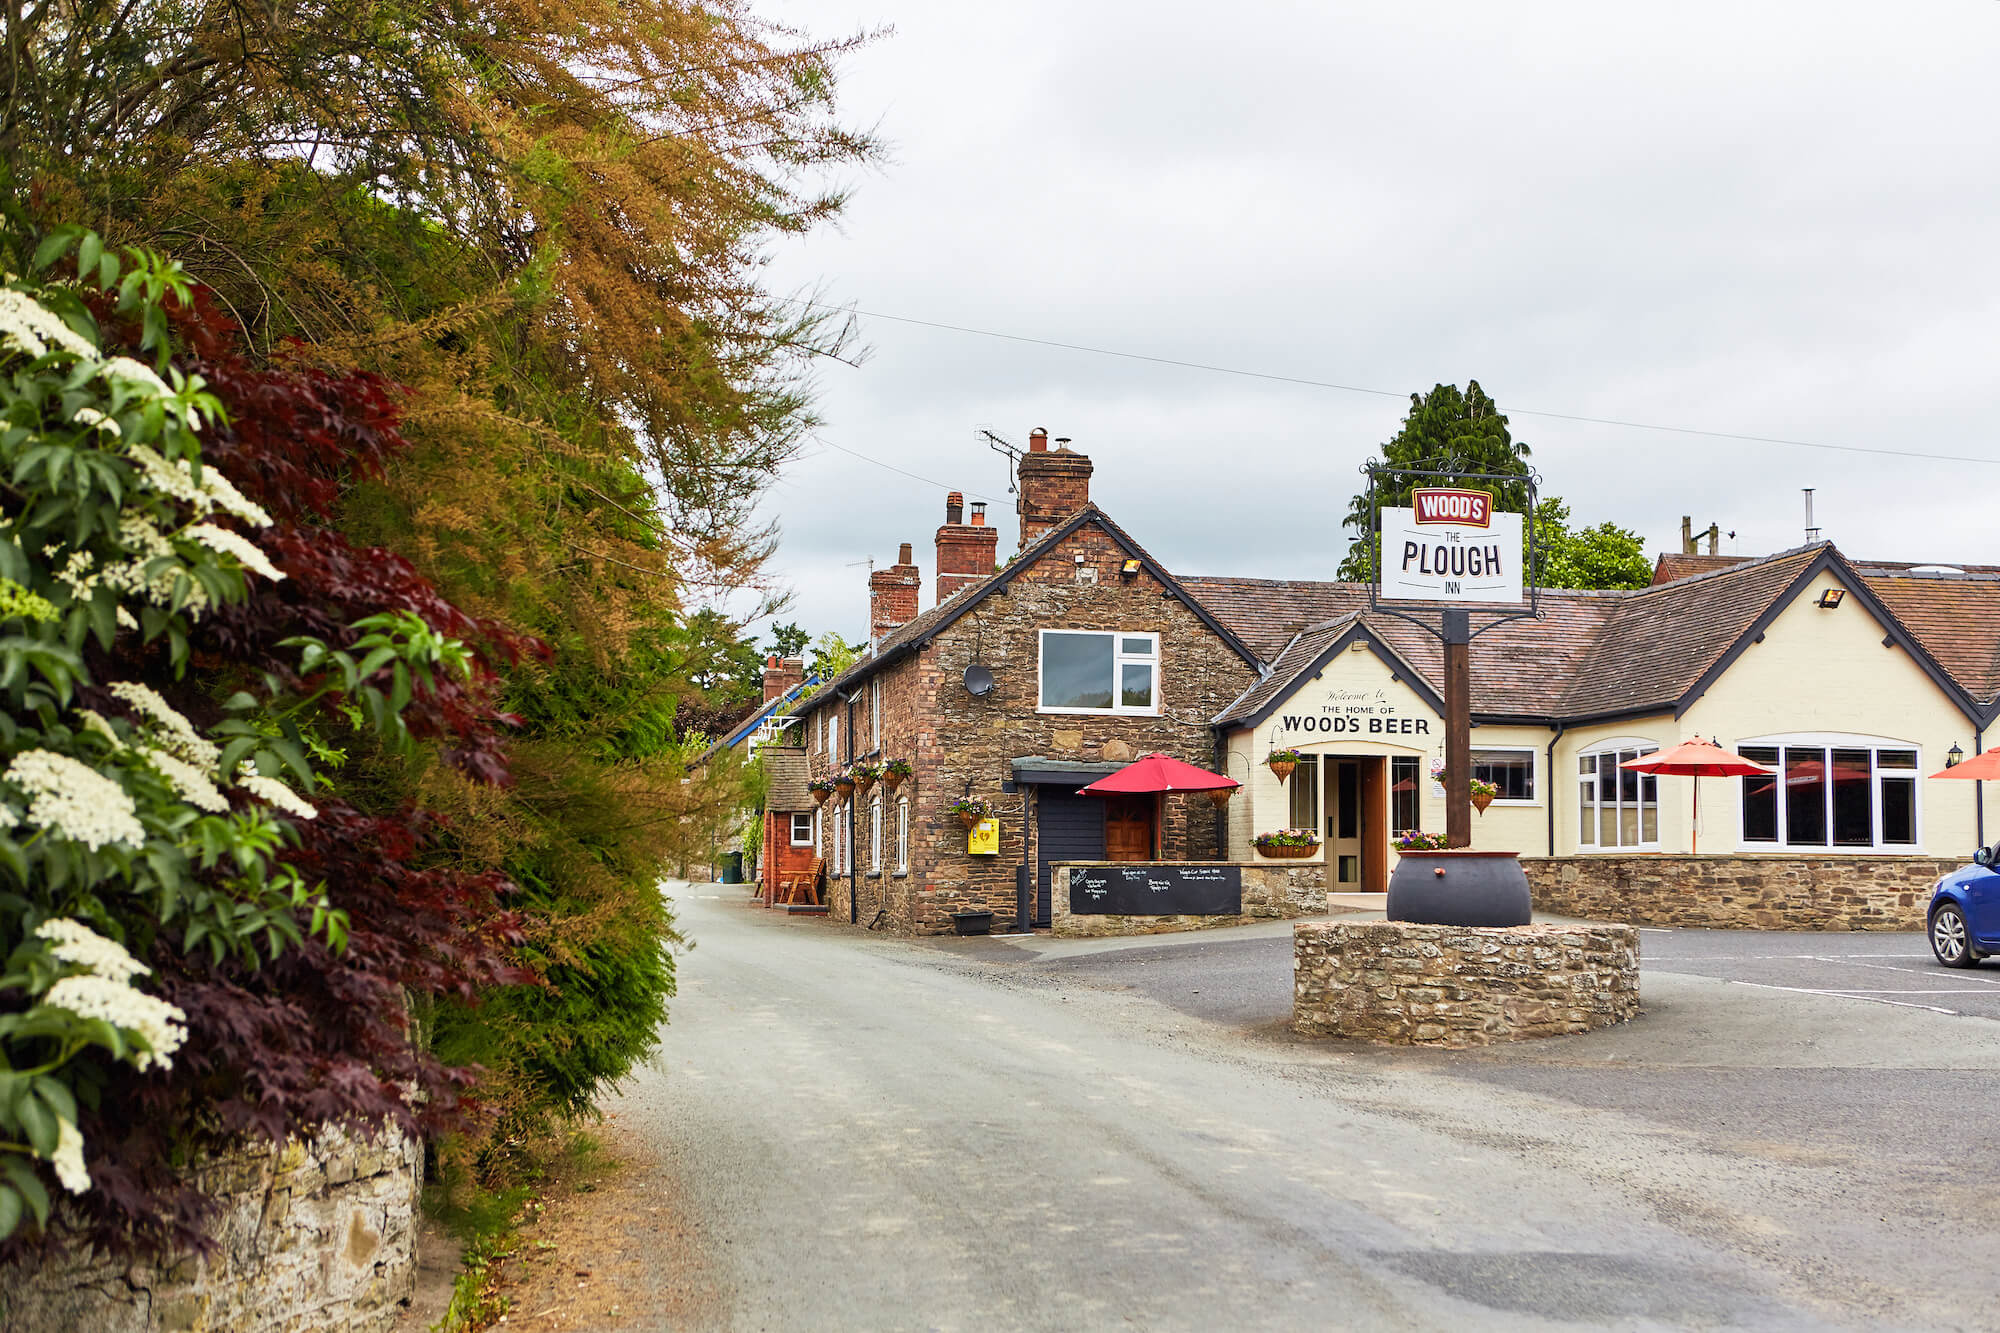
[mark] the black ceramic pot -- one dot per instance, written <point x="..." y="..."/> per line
<point x="1460" y="888"/>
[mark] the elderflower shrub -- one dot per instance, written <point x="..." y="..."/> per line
<point x="137" y="825"/>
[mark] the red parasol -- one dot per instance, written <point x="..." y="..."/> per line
<point x="1981" y="767"/>
<point x="1157" y="773"/>
<point x="1697" y="759"/>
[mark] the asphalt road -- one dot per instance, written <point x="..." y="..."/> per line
<point x="876" y="1134"/>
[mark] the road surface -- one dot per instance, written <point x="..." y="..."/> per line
<point x="882" y="1134"/>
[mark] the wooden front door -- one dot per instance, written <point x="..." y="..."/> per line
<point x="1128" y="828"/>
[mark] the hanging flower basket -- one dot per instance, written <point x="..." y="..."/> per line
<point x="894" y="772"/>
<point x="1483" y="794"/>
<point x="844" y="784"/>
<point x="970" y="811"/>
<point x="821" y="789"/>
<point x="864" y="776"/>
<point x="1282" y="763"/>
<point x="1220" y="798"/>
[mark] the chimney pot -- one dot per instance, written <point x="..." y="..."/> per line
<point x="1038" y="441"/>
<point x="903" y="554"/>
<point x="978" y="513"/>
<point x="954" y="508"/>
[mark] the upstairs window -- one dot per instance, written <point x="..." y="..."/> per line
<point x="1084" y="672"/>
<point x="802" y="829"/>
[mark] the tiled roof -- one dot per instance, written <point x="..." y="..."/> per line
<point x="788" y="773"/>
<point x="1679" y="565"/>
<point x="915" y="633"/>
<point x="1589" y="653"/>
<point x="1955" y="618"/>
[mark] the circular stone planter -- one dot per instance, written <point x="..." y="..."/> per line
<point x="1459" y="888"/>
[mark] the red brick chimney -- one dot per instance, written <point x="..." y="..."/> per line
<point x="781" y="673"/>
<point x="1054" y="484"/>
<point x="892" y="596"/>
<point x="965" y="551"/>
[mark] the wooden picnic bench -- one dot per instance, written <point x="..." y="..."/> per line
<point x="789" y="890"/>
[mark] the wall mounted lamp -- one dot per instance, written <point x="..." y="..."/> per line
<point x="1954" y="756"/>
<point x="1129" y="570"/>
<point x="1831" y="598"/>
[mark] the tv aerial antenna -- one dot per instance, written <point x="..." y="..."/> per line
<point x="1001" y="445"/>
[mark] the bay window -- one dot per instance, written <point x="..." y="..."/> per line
<point x="1861" y="796"/>
<point x="1087" y="672"/>
<point x="1617" y="807"/>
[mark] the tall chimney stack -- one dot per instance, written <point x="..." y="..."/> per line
<point x="892" y="596"/>
<point x="1054" y="484"/>
<point x="965" y="551"/>
<point x="781" y="674"/>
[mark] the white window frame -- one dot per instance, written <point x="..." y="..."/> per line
<point x="1534" y="770"/>
<point x="1617" y="745"/>
<point x="1829" y="741"/>
<point x="875" y="834"/>
<point x="819" y="833"/>
<point x="902" y="835"/>
<point x="833" y="737"/>
<point x="875" y="714"/>
<point x="843" y="846"/>
<point x="796" y="840"/>
<point x="1119" y="659"/>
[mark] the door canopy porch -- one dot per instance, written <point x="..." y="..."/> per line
<point x="1158" y="773"/>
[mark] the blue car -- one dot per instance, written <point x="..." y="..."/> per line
<point x="1965" y="912"/>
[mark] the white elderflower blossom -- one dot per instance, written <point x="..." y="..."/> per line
<point x="175" y="479"/>
<point x="136" y="373"/>
<point x="126" y="620"/>
<point x="80" y="946"/>
<point x="224" y="542"/>
<point x="178" y="734"/>
<point x="96" y="721"/>
<point x="185" y="778"/>
<point x="28" y="325"/>
<point x="96" y="420"/>
<point x="223" y="494"/>
<point x="74" y="801"/>
<point x="68" y="1158"/>
<point x="273" y="792"/>
<point x="159" y="1024"/>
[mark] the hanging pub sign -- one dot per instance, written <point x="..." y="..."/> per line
<point x="1450" y="545"/>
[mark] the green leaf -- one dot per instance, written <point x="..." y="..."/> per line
<point x="88" y="252"/>
<point x="10" y="1210"/>
<point x="52" y="248"/>
<point x="24" y="1180"/>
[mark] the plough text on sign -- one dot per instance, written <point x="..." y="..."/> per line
<point x="1450" y="545"/>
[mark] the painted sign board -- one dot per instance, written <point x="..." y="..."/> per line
<point x="1154" y="890"/>
<point x="984" y="839"/>
<point x="1450" y="545"/>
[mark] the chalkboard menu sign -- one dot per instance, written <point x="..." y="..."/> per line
<point x="1150" y="890"/>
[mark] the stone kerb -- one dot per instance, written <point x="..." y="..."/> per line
<point x="1270" y="892"/>
<point x="318" y="1235"/>
<point x="1397" y="983"/>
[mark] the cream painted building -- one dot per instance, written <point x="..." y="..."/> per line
<point x="1854" y="682"/>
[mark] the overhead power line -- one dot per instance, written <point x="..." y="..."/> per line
<point x="971" y="495"/>
<point x="1386" y="393"/>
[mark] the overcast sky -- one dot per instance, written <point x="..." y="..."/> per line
<point x="1772" y="219"/>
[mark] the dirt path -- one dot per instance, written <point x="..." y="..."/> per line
<point x="607" y="1248"/>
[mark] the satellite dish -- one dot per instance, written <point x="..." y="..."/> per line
<point x="978" y="681"/>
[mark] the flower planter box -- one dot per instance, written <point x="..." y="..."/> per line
<point x="1287" y="853"/>
<point x="972" y="923"/>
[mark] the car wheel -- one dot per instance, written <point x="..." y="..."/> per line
<point x="1950" y="940"/>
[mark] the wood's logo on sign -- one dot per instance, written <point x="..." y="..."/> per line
<point x="1442" y="504"/>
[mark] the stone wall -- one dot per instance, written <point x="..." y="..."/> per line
<point x="1739" y="892"/>
<point x="1270" y="892"/>
<point x="318" y="1236"/>
<point x="1394" y="982"/>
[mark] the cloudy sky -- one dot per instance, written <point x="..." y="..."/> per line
<point x="1759" y="218"/>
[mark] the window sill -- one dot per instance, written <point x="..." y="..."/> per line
<point x="1513" y="805"/>
<point x="1100" y="712"/>
<point x="872" y="874"/>
<point x="899" y="874"/>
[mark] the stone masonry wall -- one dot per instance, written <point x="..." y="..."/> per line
<point x="1393" y="982"/>
<point x="959" y="744"/>
<point x="1270" y="892"/>
<point x="318" y="1236"/>
<point x="1739" y="892"/>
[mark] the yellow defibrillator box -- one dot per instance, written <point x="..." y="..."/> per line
<point x="984" y="839"/>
